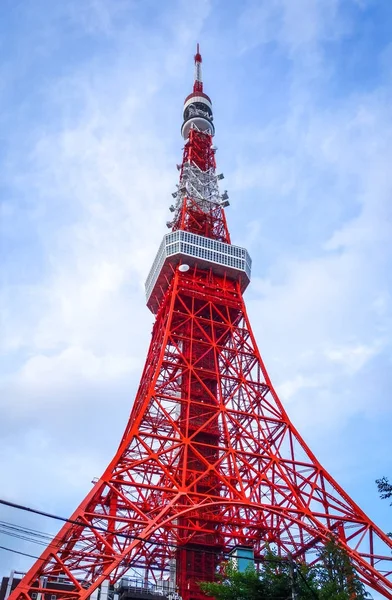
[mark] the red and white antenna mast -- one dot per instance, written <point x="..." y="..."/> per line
<point x="198" y="85"/>
<point x="199" y="203"/>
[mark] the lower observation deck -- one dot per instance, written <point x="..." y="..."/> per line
<point x="194" y="250"/>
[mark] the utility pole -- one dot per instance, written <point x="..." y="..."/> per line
<point x="293" y="578"/>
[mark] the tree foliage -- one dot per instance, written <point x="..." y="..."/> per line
<point x="385" y="491"/>
<point x="333" y="578"/>
<point x="384" y="488"/>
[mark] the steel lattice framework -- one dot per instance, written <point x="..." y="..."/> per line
<point x="209" y="459"/>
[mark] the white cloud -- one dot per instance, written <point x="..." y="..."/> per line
<point x="44" y="372"/>
<point x="289" y="388"/>
<point x="67" y="471"/>
<point x="352" y="358"/>
<point x="292" y="25"/>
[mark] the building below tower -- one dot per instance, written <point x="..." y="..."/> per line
<point x="127" y="588"/>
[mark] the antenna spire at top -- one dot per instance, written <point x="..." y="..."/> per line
<point x="198" y="84"/>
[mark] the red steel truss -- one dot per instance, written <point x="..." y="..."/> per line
<point x="209" y="459"/>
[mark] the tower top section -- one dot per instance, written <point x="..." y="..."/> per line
<point x="199" y="240"/>
<point x="197" y="106"/>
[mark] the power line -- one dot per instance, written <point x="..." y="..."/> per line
<point x="118" y="534"/>
<point x="36" y="532"/>
<point x="95" y="527"/>
<point x="19" y="552"/>
<point x="79" y="523"/>
<point x="24" y="533"/>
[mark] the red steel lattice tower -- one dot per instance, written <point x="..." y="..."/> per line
<point x="209" y="460"/>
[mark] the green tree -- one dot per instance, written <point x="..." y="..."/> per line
<point x="285" y="579"/>
<point x="384" y="488"/>
<point x="335" y="575"/>
<point x="235" y="585"/>
<point x="385" y="491"/>
<point x="333" y="578"/>
<point x="278" y="579"/>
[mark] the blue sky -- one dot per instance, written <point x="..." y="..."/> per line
<point x="90" y="111"/>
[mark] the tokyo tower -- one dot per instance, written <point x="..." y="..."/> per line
<point x="209" y="461"/>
